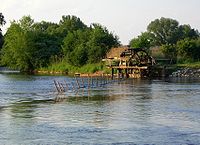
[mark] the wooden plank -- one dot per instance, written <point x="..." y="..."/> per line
<point x="129" y="67"/>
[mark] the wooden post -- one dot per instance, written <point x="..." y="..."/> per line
<point x="119" y="73"/>
<point x="63" y="89"/>
<point x="92" y="81"/>
<point x="77" y="82"/>
<point x="88" y="82"/>
<point x="83" y="82"/>
<point x="102" y="79"/>
<point x="107" y="79"/>
<point x="56" y="85"/>
<point x="60" y="87"/>
<point x="97" y="81"/>
<point x="66" y="86"/>
<point x="73" y="86"/>
<point x="126" y="73"/>
<point x="112" y="74"/>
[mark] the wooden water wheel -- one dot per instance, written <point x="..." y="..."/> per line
<point x="137" y="57"/>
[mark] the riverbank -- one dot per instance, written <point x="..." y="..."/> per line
<point x="180" y="70"/>
<point x="187" y="72"/>
<point x="96" y="69"/>
<point x="190" y="70"/>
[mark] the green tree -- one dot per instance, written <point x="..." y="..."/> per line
<point x="164" y="31"/>
<point x="142" y="41"/>
<point x="16" y="49"/>
<point x="75" y="42"/>
<point x="69" y="24"/>
<point x="100" y="42"/>
<point x="79" y="56"/>
<point x="186" y="31"/>
<point x="90" y="44"/>
<point x="188" y="49"/>
<point x="1" y="40"/>
<point x="26" y="23"/>
<point x="46" y="43"/>
<point x="170" y="51"/>
<point x="30" y="45"/>
<point x="2" y="22"/>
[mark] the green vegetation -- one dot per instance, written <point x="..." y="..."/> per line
<point x="180" y="43"/>
<point x="71" y="46"/>
<point x="2" y="22"/>
<point x="29" y="46"/>
<point x="66" y="68"/>
<point x="190" y="65"/>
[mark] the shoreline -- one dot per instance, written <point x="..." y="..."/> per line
<point x="179" y="72"/>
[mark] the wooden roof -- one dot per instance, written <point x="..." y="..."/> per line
<point x="116" y="52"/>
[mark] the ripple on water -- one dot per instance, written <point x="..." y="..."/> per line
<point x="129" y="112"/>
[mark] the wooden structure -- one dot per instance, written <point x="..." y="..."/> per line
<point x="129" y="62"/>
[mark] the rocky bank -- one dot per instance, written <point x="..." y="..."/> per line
<point x="187" y="72"/>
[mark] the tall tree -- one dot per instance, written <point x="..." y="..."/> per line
<point x="1" y="40"/>
<point x="2" y="22"/>
<point x="88" y="45"/>
<point x="69" y="24"/>
<point x="74" y="45"/>
<point x="164" y="31"/>
<point x="26" y="23"/>
<point x="189" y="49"/>
<point x="16" y="49"/>
<point x="186" y="31"/>
<point x="100" y="42"/>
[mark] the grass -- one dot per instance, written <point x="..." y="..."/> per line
<point x="63" y="67"/>
<point x="190" y="65"/>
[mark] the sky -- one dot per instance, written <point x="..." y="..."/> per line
<point x="125" y="18"/>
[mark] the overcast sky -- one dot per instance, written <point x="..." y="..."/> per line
<point x="125" y="18"/>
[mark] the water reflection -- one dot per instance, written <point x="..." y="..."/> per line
<point x="26" y="108"/>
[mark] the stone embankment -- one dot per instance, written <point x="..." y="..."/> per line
<point x="187" y="72"/>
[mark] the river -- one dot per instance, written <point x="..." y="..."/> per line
<point x="134" y="111"/>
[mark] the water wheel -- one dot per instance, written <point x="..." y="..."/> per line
<point x="139" y="58"/>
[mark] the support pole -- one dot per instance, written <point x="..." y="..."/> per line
<point x="112" y="73"/>
<point x="56" y="85"/>
<point x="77" y="82"/>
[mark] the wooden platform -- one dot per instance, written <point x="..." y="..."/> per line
<point x="129" y="71"/>
<point x="129" y="67"/>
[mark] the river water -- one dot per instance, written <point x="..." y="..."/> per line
<point x="126" y="112"/>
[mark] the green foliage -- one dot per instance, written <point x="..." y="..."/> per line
<point x="88" y="45"/>
<point x="99" y="43"/>
<point x="170" y="51"/>
<point x="69" y="24"/>
<point x="64" y="67"/>
<point x="2" y="22"/>
<point x="164" y="31"/>
<point x="185" y="31"/>
<point x="29" y="45"/>
<point x="189" y="64"/>
<point x="26" y="23"/>
<point x="16" y="49"/>
<point x="176" y="42"/>
<point x="189" y="49"/>
<point x="142" y="41"/>
<point x="1" y="40"/>
<point x="79" y="56"/>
